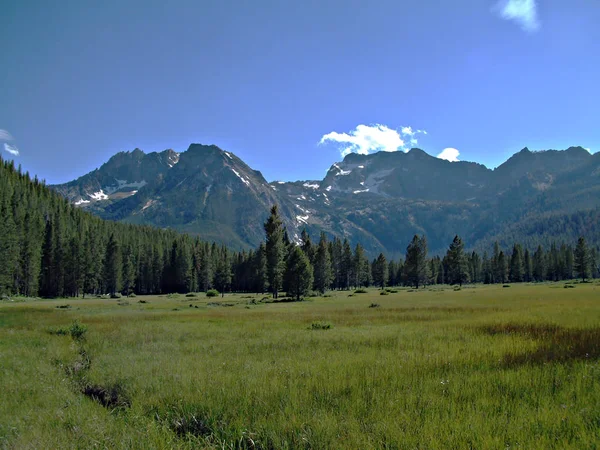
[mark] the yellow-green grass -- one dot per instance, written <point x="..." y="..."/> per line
<point x="483" y="367"/>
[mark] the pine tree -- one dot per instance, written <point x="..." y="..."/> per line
<point x="347" y="273"/>
<point x="358" y="267"/>
<point x="539" y="265"/>
<point x="502" y="268"/>
<point x="128" y="271"/>
<point x="261" y="281"/>
<point x="495" y="266"/>
<point x="322" y="268"/>
<point x="223" y="272"/>
<point x="475" y="268"/>
<point x="113" y="266"/>
<point x="458" y="272"/>
<point x="527" y="267"/>
<point x="275" y="251"/>
<point x="582" y="259"/>
<point x="380" y="271"/>
<point x="516" y="265"/>
<point x="48" y="286"/>
<point x="416" y="261"/>
<point x="298" y="273"/>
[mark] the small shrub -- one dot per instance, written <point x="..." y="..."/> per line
<point x="374" y="305"/>
<point x="142" y="301"/>
<point x="63" y="307"/>
<point x="505" y="285"/>
<point x="350" y="295"/>
<point x="172" y="295"/>
<point x="132" y="295"/>
<point x="60" y="331"/>
<point x="115" y="295"/>
<point x="569" y="286"/>
<point x="360" y="291"/>
<point x="457" y="288"/>
<point x="327" y="295"/>
<point x="212" y="293"/>
<point x="384" y="293"/>
<point x="191" y="294"/>
<point x="123" y="303"/>
<point x="77" y="330"/>
<point x="320" y="326"/>
<point x="264" y="299"/>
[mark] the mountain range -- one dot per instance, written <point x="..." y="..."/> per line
<point x="380" y="200"/>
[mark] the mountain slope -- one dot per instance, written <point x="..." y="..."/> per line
<point x="379" y="200"/>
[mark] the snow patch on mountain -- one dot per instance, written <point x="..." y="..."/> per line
<point x="148" y="204"/>
<point x="100" y="195"/>
<point x="173" y="159"/>
<point x="360" y="191"/>
<point x="302" y="219"/>
<point x="81" y="202"/>
<point x="246" y="182"/>
<point x="312" y="186"/>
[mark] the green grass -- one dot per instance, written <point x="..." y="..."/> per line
<point x="483" y="367"/>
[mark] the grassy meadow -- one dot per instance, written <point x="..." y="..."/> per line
<point x="482" y="367"/>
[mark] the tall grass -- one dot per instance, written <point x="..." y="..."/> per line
<point x="484" y="367"/>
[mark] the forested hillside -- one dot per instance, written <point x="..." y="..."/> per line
<point x="50" y="248"/>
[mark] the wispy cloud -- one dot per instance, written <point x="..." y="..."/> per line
<point x="524" y="12"/>
<point x="5" y="135"/>
<point x="449" y="154"/>
<point x="365" y="139"/>
<point x="13" y="150"/>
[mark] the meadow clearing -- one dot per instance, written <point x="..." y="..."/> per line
<point x="482" y="367"/>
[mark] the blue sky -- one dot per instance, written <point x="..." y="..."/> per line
<point x="288" y="86"/>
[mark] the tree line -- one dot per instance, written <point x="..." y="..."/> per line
<point x="50" y="248"/>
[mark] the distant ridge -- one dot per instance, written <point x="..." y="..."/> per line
<point x="380" y="200"/>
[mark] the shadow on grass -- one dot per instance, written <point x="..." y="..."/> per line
<point x="555" y="343"/>
<point x="111" y="397"/>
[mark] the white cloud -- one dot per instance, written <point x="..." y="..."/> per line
<point x="524" y="12"/>
<point x="11" y="149"/>
<point x="5" y="135"/>
<point x="449" y="154"/>
<point x="588" y="149"/>
<point x="365" y="139"/>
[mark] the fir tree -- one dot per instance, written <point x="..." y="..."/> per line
<point x="113" y="266"/>
<point x="457" y="262"/>
<point x="298" y="273"/>
<point x="516" y="265"/>
<point x="582" y="259"/>
<point x="415" y="264"/>
<point x="260" y="269"/>
<point x="380" y="271"/>
<point x="358" y="267"/>
<point x="322" y="268"/>
<point x="539" y="265"/>
<point x="223" y="272"/>
<point x="527" y="267"/>
<point x="275" y="251"/>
